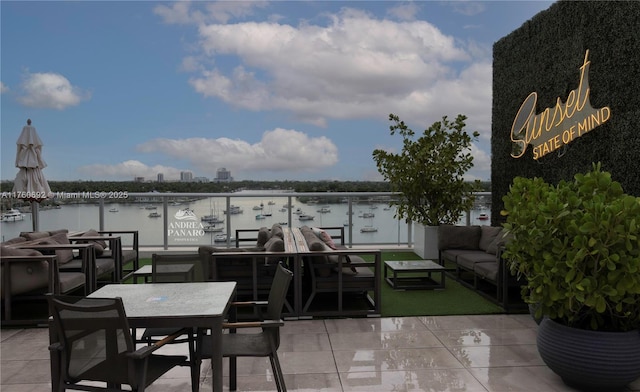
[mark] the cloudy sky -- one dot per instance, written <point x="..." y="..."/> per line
<point x="297" y="90"/>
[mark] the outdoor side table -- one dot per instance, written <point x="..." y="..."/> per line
<point x="417" y="274"/>
<point x="170" y="269"/>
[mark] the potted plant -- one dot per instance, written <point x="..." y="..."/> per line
<point x="429" y="175"/>
<point x="578" y="246"/>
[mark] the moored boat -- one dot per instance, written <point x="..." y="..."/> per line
<point x="12" y="215"/>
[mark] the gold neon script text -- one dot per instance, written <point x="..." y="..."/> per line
<point x="558" y="125"/>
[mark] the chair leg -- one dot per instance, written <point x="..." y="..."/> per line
<point x="233" y="373"/>
<point x="194" y="363"/>
<point x="277" y="372"/>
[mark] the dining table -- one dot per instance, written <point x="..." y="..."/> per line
<point x="202" y="305"/>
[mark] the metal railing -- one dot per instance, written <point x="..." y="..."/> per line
<point x="352" y="200"/>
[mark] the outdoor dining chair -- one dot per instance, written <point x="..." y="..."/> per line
<point x="264" y="343"/>
<point x="170" y="268"/>
<point x="94" y="343"/>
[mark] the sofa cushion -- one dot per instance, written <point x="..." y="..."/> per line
<point x="458" y="237"/>
<point x="469" y="260"/>
<point x="324" y="237"/>
<point x="63" y="255"/>
<point x="276" y="230"/>
<point x="26" y="276"/>
<point x="15" y="240"/>
<point x="99" y="246"/>
<point x="58" y="231"/>
<point x="35" y="235"/>
<point x="498" y="242"/>
<point x="275" y="244"/>
<point x="263" y="237"/>
<point x="487" y="271"/>
<point x="488" y="234"/>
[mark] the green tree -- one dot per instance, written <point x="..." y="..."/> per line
<point x="429" y="172"/>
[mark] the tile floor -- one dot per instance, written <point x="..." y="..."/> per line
<point x="444" y="353"/>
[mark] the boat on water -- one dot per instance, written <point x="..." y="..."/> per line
<point x="113" y="209"/>
<point x="368" y="215"/>
<point x="234" y="210"/>
<point x="222" y="238"/>
<point x="257" y="208"/>
<point x="368" y="229"/>
<point x="305" y="217"/>
<point x="298" y="211"/>
<point x="271" y="203"/>
<point x="212" y="228"/>
<point x="483" y="216"/>
<point x="212" y="219"/>
<point x="324" y="210"/>
<point x="261" y="216"/>
<point x="150" y="207"/>
<point x="154" y="215"/>
<point x="12" y="215"/>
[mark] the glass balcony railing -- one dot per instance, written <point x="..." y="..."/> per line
<point x="171" y="220"/>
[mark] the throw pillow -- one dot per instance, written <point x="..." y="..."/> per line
<point x="99" y="246"/>
<point x="63" y="255"/>
<point x="35" y="235"/>
<point x="263" y="237"/>
<point x="325" y="237"/>
<point x="458" y="237"/>
<point x="276" y="231"/>
<point x="488" y="234"/>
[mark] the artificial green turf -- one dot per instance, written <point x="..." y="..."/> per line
<point x="455" y="299"/>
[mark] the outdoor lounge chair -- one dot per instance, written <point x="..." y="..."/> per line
<point x="27" y="276"/>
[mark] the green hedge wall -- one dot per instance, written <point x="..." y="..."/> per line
<point x="544" y="56"/>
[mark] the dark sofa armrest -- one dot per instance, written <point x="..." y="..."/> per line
<point x="87" y="254"/>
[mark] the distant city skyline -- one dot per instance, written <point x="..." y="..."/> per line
<point x="268" y="90"/>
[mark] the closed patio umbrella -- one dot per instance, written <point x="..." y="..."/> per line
<point x="30" y="183"/>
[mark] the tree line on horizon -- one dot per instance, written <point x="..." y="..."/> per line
<point x="218" y="187"/>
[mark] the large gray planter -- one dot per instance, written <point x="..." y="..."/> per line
<point x="590" y="360"/>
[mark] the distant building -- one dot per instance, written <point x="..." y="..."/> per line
<point x="200" y="179"/>
<point x="186" y="176"/>
<point x="160" y="177"/>
<point x="223" y="175"/>
<point x="138" y="179"/>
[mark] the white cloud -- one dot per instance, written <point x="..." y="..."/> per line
<point x="280" y="150"/>
<point x="181" y="12"/>
<point x="129" y="170"/>
<point x="404" y="11"/>
<point x="50" y="90"/>
<point x="354" y="67"/>
<point x="3" y="88"/>
<point x="468" y="8"/>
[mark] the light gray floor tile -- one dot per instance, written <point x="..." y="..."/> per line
<point x="388" y="324"/>
<point x="439" y="380"/>
<point x="486" y="337"/>
<point x="383" y="340"/>
<point x="401" y="359"/>
<point x="497" y="356"/>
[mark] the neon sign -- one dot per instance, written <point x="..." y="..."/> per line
<point x="559" y="125"/>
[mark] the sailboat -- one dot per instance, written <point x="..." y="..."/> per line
<point x="212" y="218"/>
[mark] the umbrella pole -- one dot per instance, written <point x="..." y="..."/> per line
<point x="35" y="210"/>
